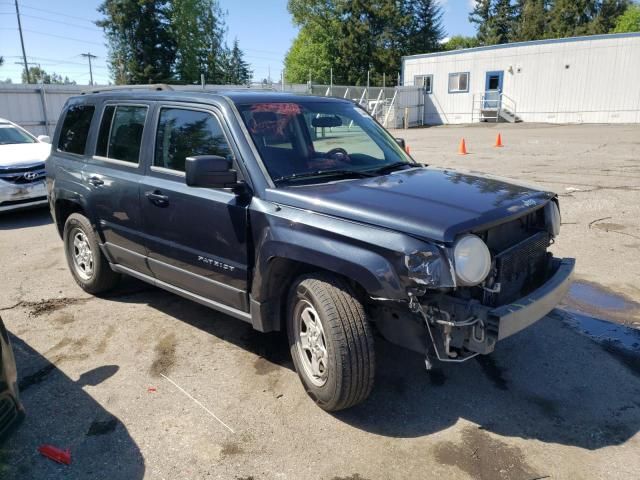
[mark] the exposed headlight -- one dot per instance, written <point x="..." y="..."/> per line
<point x="552" y="218"/>
<point x="472" y="260"/>
<point x="429" y="268"/>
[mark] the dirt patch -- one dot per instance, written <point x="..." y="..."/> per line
<point x="264" y="366"/>
<point x="355" y="476"/>
<point x="102" y="346"/>
<point x="46" y="306"/>
<point x="64" y="319"/>
<point x="231" y="448"/>
<point x="483" y="457"/>
<point x="606" y="226"/>
<point x="165" y="355"/>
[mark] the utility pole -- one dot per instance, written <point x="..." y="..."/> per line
<point x="24" y="54"/>
<point x="89" y="56"/>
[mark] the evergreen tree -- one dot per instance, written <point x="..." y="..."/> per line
<point x="425" y="26"/>
<point x="141" y="46"/>
<point x="531" y="19"/>
<point x="238" y="68"/>
<point x="458" y="41"/>
<point x="481" y="16"/>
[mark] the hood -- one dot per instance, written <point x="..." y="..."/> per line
<point x="23" y="154"/>
<point x="428" y="203"/>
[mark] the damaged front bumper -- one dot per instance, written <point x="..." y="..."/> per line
<point x="18" y="196"/>
<point x="459" y="329"/>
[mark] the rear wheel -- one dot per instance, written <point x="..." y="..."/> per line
<point x="331" y="341"/>
<point x="89" y="267"/>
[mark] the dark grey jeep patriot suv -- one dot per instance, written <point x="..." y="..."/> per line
<point x="300" y="213"/>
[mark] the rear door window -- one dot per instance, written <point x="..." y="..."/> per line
<point x="185" y="133"/>
<point x="75" y="129"/>
<point x="120" y="134"/>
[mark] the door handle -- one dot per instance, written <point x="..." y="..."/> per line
<point x="96" y="181"/>
<point x="157" y="198"/>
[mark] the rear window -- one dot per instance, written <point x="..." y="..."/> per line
<point x="75" y="129"/>
<point x="120" y="132"/>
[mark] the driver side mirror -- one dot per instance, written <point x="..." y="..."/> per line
<point x="401" y="142"/>
<point x="44" y="138"/>
<point x="210" y="171"/>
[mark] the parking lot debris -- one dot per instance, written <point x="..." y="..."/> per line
<point x="499" y="141"/>
<point x="462" y="149"/>
<point x="56" y="454"/>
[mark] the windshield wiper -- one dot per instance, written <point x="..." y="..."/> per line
<point x="324" y="173"/>
<point x="391" y="167"/>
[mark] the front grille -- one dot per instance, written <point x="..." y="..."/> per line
<point x="23" y="175"/>
<point x="520" y="268"/>
<point x="8" y="413"/>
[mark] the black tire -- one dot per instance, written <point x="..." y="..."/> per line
<point x="348" y="341"/>
<point x="99" y="278"/>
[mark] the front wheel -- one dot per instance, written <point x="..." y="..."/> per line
<point x="331" y="341"/>
<point x="89" y="267"/>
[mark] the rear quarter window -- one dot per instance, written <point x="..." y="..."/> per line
<point x="120" y="134"/>
<point x="75" y="129"/>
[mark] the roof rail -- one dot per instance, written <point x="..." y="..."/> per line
<point x="154" y="86"/>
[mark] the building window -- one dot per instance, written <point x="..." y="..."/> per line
<point x="459" y="82"/>
<point x="424" y="81"/>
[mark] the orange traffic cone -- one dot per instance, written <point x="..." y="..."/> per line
<point x="499" y="141"/>
<point x="462" y="149"/>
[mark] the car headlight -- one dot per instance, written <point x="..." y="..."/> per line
<point x="472" y="260"/>
<point x="429" y="267"/>
<point x="552" y="218"/>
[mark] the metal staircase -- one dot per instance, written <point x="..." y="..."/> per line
<point x="493" y="107"/>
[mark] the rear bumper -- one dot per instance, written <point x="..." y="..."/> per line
<point x="516" y="316"/>
<point x="19" y="196"/>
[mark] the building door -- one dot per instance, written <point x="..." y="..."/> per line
<point x="493" y="90"/>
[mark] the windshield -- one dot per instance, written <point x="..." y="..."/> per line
<point x="318" y="140"/>
<point x="11" y="135"/>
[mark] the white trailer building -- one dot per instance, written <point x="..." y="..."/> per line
<point x="592" y="79"/>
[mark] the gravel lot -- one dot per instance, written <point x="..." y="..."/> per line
<point x="561" y="400"/>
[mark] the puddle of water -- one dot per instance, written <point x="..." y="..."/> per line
<point x="591" y="295"/>
<point x="604" y="332"/>
<point x="595" y="301"/>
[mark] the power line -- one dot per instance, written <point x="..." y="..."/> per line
<point x="60" y="22"/>
<point x="82" y="40"/>
<point x="51" y="12"/>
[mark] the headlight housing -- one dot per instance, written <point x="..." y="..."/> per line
<point x="429" y="267"/>
<point x="472" y="260"/>
<point x="552" y="218"/>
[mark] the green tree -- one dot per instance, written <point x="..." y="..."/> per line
<point x="38" y="75"/>
<point x="1" y="61"/>
<point x="531" y="19"/>
<point x="142" y="48"/>
<point x="198" y="29"/>
<point x="481" y="15"/>
<point x="425" y="26"/>
<point x="307" y="57"/>
<point x="568" y="18"/>
<point x="458" y="41"/>
<point x="629" y="21"/>
<point x="238" y="69"/>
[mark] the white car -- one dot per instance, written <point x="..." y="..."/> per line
<point x="22" y="173"/>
